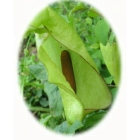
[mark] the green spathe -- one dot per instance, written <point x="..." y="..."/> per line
<point x="92" y="92"/>
<point x="111" y="57"/>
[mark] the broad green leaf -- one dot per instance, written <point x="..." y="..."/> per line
<point x="76" y="125"/>
<point x="101" y="31"/>
<point x="92" y="119"/>
<point x="62" y="127"/>
<point x="53" y="122"/>
<point x="65" y="128"/>
<point x="55" y="101"/>
<point x="43" y="101"/>
<point x="39" y="71"/>
<point x="92" y="92"/>
<point x="112" y="59"/>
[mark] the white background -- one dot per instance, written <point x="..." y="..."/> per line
<point x="113" y="126"/>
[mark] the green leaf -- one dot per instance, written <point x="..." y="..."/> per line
<point x="62" y="127"/>
<point x="45" y="120"/>
<point x="98" y="63"/>
<point x="53" y="122"/>
<point x="101" y="31"/>
<point x="39" y="93"/>
<point x="112" y="59"/>
<point x="43" y="101"/>
<point x="105" y="73"/>
<point x="95" y="46"/>
<point x="92" y="119"/>
<point x="111" y="38"/>
<point x="85" y="71"/>
<point x="97" y="54"/>
<point x="39" y="30"/>
<point x="114" y="92"/>
<point x="109" y="79"/>
<point x="55" y="102"/>
<point x="39" y="71"/>
<point x="89" y="21"/>
<point x="75" y="126"/>
<point x="68" y="129"/>
<point x="43" y="115"/>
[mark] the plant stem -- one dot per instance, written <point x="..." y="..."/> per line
<point x="27" y="45"/>
<point x="32" y="108"/>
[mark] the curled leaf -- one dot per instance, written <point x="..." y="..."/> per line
<point x="91" y="91"/>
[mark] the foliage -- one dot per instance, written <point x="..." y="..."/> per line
<point x="111" y="52"/>
<point x="84" y="33"/>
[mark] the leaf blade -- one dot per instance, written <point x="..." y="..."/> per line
<point x="101" y="31"/>
<point x="112" y="59"/>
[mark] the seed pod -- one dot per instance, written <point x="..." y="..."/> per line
<point x="67" y="69"/>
